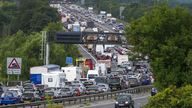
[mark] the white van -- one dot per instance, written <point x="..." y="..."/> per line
<point x="72" y="73"/>
<point x="91" y="74"/>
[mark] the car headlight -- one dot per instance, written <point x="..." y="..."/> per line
<point x="126" y="102"/>
<point x="116" y="102"/>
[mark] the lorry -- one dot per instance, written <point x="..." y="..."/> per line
<point x="99" y="49"/>
<point x="76" y="27"/>
<point x="37" y="71"/>
<point x="107" y="63"/>
<point x="122" y="58"/>
<point x="90" y="47"/>
<point x="91" y="37"/>
<point x="72" y="73"/>
<point x="101" y="67"/>
<point x="53" y="79"/>
<point x="112" y="38"/>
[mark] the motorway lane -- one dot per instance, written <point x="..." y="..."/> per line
<point x="139" y="102"/>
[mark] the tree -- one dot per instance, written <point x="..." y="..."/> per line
<point x="172" y="97"/>
<point x="165" y="34"/>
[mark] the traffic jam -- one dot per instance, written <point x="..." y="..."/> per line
<point x="114" y="70"/>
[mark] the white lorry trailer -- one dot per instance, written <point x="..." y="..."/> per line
<point x="53" y="79"/>
<point x="101" y="67"/>
<point x="72" y="73"/>
<point x="122" y="58"/>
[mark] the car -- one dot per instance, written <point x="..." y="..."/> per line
<point x="104" y="87"/>
<point x="41" y="87"/>
<point x="17" y="90"/>
<point x="134" y="81"/>
<point x="153" y="91"/>
<point x="79" y="88"/>
<point x="1" y="90"/>
<point x="89" y="83"/>
<point x="94" y="89"/>
<point x="50" y="95"/>
<point x="68" y="83"/>
<point x="145" y="80"/>
<point x="29" y="86"/>
<point x="124" y="100"/>
<point x="10" y="97"/>
<point x="67" y="92"/>
<point x="31" y="97"/>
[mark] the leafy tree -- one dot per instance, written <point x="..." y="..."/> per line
<point x="165" y="35"/>
<point x="172" y="97"/>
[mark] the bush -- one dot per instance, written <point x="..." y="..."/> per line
<point x="172" y="97"/>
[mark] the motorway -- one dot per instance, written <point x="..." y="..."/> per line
<point x="138" y="103"/>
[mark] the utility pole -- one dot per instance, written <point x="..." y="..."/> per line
<point x="45" y="49"/>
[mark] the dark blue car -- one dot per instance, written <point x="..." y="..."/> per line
<point x="10" y="98"/>
<point x="145" y="80"/>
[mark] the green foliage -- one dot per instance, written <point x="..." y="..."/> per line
<point x="172" y="97"/>
<point x="165" y="35"/>
<point x="28" y="47"/>
<point x="27" y="15"/>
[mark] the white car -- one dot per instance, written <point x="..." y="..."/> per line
<point x="17" y="90"/>
<point x="103" y="87"/>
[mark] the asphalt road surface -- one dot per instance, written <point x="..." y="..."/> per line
<point x="138" y="103"/>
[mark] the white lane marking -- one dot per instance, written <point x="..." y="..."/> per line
<point x="88" y="53"/>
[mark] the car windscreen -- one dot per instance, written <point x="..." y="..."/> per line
<point x="100" y="80"/>
<point x="132" y="79"/>
<point x="49" y="93"/>
<point x="40" y="87"/>
<point x="92" y="76"/>
<point x="28" y="94"/>
<point x="123" y="97"/>
<point x="7" y="94"/>
<point x="92" y="87"/>
<point x="28" y="86"/>
<point x="114" y="80"/>
<point x="68" y="83"/>
<point x="65" y="89"/>
<point x="101" y="85"/>
<point x="75" y="86"/>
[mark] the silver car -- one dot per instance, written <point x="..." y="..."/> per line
<point x="67" y="92"/>
<point x="104" y="87"/>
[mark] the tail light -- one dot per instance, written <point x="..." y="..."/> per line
<point x="42" y="97"/>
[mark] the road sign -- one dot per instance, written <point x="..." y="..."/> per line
<point x="69" y="60"/>
<point x="13" y="65"/>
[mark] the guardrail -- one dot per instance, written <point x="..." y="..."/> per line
<point x="81" y="99"/>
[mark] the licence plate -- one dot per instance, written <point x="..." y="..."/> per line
<point x="121" y="104"/>
<point x="26" y="101"/>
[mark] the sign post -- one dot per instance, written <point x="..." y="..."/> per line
<point x="14" y="66"/>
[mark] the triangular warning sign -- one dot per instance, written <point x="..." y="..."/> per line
<point x="14" y="64"/>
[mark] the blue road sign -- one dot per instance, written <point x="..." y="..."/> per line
<point x="69" y="60"/>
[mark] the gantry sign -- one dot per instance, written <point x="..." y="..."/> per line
<point x="88" y="38"/>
